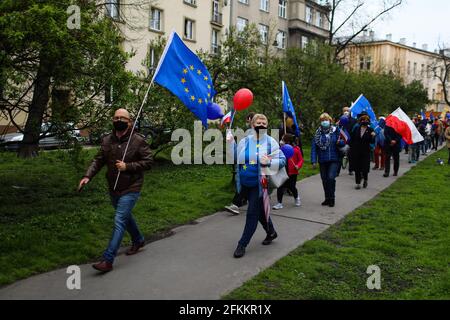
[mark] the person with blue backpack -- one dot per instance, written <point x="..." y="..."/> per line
<point x="252" y="154"/>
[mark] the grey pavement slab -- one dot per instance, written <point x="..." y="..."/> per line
<point x="197" y="262"/>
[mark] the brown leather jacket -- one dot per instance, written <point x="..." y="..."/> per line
<point x="137" y="159"/>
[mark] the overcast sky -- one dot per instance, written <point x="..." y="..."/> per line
<point x="420" y="21"/>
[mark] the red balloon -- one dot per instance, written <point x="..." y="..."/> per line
<point x="242" y="99"/>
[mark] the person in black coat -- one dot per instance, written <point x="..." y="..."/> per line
<point x="392" y="147"/>
<point x="348" y="126"/>
<point x="360" y="139"/>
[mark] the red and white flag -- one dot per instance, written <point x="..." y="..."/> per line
<point x="226" y="119"/>
<point x="402" y="124"/>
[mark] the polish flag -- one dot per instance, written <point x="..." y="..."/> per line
<point x="226" y="119"/>
<point x="402" y="124"/>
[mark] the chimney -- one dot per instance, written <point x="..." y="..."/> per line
<point x="425" y="47"/>
<point x="414" y="44"/>
<point x="389" y="37"/>
<point x="403" y="41"/>
<point x="372" y="35"/>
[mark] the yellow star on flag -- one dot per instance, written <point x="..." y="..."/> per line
<point x="209" y="87"/>
<point x="186" y="90"/>
<point x="183" y="80"/>
<point x="244" y="167"/>
<point x="192" y="98"/>
<point x="185" y="70"/>
<point x="206" y="78"/>
<point x="252" y="162"/>
<point x="200" y="100"/>
<point x="191" y="67"/>
<point x="258" y="146"/>
<point x="199" y="71"/>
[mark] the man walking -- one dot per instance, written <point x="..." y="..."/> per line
<point x="392" y="147"/>
<point x="131" y="177"/>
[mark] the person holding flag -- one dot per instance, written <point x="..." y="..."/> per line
<point x="398" y="126"/>
<point x="360" y="139"/>
<point x="254" y="152"/>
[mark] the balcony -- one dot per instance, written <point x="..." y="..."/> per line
<point x="216" y="18"/>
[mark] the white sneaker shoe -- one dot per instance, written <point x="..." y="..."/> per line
<point x="234" y="209"/>
<point x="298" y="203"/>
<point x="278" y="206"/>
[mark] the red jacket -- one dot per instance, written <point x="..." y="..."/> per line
<point x="296" y="159"/>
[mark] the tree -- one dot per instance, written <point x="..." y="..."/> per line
<point x="58" y="74"/>
<point x="350" y="18"/>
<point x="441" y="70"/>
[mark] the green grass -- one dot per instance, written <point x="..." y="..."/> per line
<point x="45" y="223"/>
<point x="405" y="230"/>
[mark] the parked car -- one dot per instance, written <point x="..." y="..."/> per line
<point x="49" y="139"/>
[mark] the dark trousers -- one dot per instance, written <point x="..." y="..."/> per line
<point x="361" y="175"/>
<point x="395" y="154"/>
<point x="290" y="184"/>
<point x="328" y="171"/>
<point x="435" y="141"/>
<point x="255" y="213"/>
<point x="238" y="199"/>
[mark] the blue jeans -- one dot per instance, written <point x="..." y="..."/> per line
<point x="328" y="172"/>
<point x="255" y="213"/>
<point x="123" y="221"/>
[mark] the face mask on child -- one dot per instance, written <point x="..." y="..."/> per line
<point x="325" y="123"/>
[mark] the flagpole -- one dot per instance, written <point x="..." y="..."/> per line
<point x="132" y="130"/>
<point x="282" y="100"/>
<point x="356" y="101"/>
<point x="232" y="117"/>
<point x="284" y="120"/>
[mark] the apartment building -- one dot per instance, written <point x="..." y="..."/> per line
<point x="407" y="62"/>
<point x="200" y="23"/>
<point x="282" y="23"/>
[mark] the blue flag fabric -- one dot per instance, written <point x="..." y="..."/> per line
<point x="288" y="108"/>
<point x="183" y="73"/>
<point x="362" y="104"/>
<point x="431" y="116"/>
<point x="424" y="116"/>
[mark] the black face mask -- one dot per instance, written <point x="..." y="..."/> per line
<point x="365" y="123"/>
<point x="259" y="128"/>
<point x="120" y="125"/>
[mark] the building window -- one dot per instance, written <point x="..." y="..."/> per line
<point x="309" y="14"/>
<point x="189" y="29"/>
<point x="319" y="20"/>
<point x="191" y="2"/>
<point x="243" y="1"/>
<point x="368" y="62"/>
<point x="155" y="19"/>
<point x="216" y="15"/>
<point x="433" y="95"/>
<point x="241" y="23"/>
<point x="415" y="68"/>
<point x="422" y="70"/>
<point x="281" y="39"/>
<point x="409" y="68"/>
<point x="112" y="9"/>
<point x="282" y="8"/>
<point x="264" y="5"/>
<point x="151" y="59"/>
<point x="305" y="41"/>
<point x="215" y="41"/>
<point x="264" y="31"/>
<point x="361" y="63"/>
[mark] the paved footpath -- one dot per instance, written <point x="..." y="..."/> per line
<point x="197" y="261"/>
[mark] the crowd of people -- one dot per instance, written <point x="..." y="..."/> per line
<point x="357" y="139"/>
<point x="127" y="155"/>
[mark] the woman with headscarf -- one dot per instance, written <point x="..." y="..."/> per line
<point x="361" y="137"/>
<point x="325" y="150"/>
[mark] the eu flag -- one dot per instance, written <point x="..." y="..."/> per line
<point x="183" y="73"/>
<point x="362" y="104"/>
<point x="288" y="108"/>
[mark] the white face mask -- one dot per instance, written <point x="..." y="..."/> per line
<point x="346" y="113"/>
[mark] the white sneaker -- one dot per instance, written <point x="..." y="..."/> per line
<point x="298" y="203"/>
<point x="278" y="206"/>
<point x="234" y="209"/>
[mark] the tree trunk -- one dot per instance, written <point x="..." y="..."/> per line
<point x="30" y="144"/>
